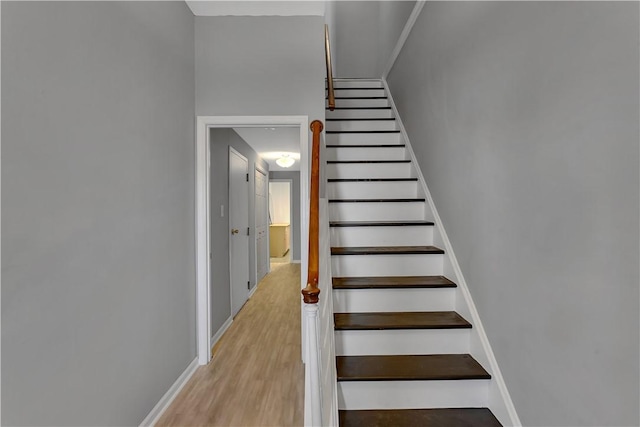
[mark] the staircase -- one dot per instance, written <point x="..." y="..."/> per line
<point x="401" y="348"/>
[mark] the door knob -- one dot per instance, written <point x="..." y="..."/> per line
<point x="234" y="231"/>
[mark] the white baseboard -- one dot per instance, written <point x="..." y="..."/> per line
<point x="222" y="330"/>
<point x="506" y="408"/>
<point x="170" y="395"/>
<point x="295" y="261"/>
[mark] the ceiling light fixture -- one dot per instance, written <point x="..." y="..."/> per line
<point x="285" y="161"/>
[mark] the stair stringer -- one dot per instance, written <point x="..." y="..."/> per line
<point x="499" y="399"/>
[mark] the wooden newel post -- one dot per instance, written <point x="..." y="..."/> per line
<point x="310" y="292"/>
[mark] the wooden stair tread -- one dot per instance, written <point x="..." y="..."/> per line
<point x="379" y="223"/>
<point x="392" y="282"/>
<point x="432" y="367"/>
<point x="375" y="200"/>
<point x="367" y="161"/>
<point x="360" y="119"/>
<point x="400" y="320"/>
<point x="361" y="131"/>
<point x="365" y="146"/>
<point x="372" y="179"/>
<point x="360" y="108"/>
<point x="445" y="417"/>
<point x="385" y="250"/>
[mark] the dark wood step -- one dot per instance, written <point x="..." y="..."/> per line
<point x="379" y="223"/>
<point x="360" y="108"/>
<point x="432" y="367"/>
<point x="357" y="88"/>
<point x="360" y="119"/>
<point x="400" y="320"/>
<point x="370" y="179"/>
<point x="392" y="282"/>
<point x="375" y="200"/>
<point x="359" y="97"/>
<point x="364" y="145"/>
<point x="361" y="131"/>
<point x="367" y="161"/>
<point x="386" y="250"/>
<point x="446" y="417"/>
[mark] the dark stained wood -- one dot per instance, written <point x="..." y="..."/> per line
<point x="392" y="282"/>
<point x="368" y="161"/>
<point x="361" y="108"/>
<point x="358" y="88"/>
<point x="379" y="223"/>
<point x="447" y="417"/>
<point x="385" y="250"/>
<point x="347" y="119"/>
<point x="364" y="145"/>
<point x="362" y="131"/>
<point x="400" y="320"/>
<point x="410" y="368"/>
<point x="371" y="179"/>
<point x="311" y="292"/>
<point x="361" y="97"/>
<point x="374" y="200"/>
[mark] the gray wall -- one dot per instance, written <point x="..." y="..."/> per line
<point x="221" y="140"/>
<point x="98" y="291"/>
<point x="364" y="33"/>
<point x="524" y="119"/>
<point x="294" y="176"/>
<point x="260" y="66"/>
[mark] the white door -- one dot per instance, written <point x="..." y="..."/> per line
<point x="262" y="224"/>
<point x="239" y="229"/>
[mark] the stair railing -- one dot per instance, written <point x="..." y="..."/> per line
<point x="313" y="392"/>
<point x="327" y="51"/>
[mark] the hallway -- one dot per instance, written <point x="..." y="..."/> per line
<point x="256" y="376"/>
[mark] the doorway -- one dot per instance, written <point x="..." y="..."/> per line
<point x="280" y="228"/>
<point x="203" y="209"/>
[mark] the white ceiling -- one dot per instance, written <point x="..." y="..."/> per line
<point x="271" y="143"/>
<point x="257" y="8"/>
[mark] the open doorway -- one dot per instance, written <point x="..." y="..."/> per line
<point x="280" y="227"/>
<point x="208" y="211"/>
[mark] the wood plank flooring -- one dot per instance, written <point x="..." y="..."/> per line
<point x="256" y="377"/>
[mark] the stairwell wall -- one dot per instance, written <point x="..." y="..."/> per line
<point x="98" y="289"/>
<point x="524" y="120"/>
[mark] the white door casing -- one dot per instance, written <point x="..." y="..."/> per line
<point x="261" y="224"/>
<point x="238" y="229"/>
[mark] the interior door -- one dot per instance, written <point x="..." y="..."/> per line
<point x="238" y="229"/>
<point x="262" y="224"/>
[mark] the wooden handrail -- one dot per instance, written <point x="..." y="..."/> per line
<point x="310" y="292"/>
<point x="327" y="50"/>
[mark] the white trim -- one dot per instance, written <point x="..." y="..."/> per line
<point x="221" y="331"/>
<point x="203" y="124"/>
<point x="164" y="402"/>
<point x="253" y="290"/>
<point x="403" y="37"/>
<point x="496" y="374"/>
<point x="264" y="172"/>
<point x="295" y="261"/>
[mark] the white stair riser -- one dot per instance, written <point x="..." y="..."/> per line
<point x="377" y="211"/>
<point x="365" y="153"/>
<point x="362" y="138"/>
<point x="341" y="91"/>
<point x="361" y="102"/>
<point x="361" y="125"/>
<point x="412" y="394"/>
<point x="338" y="82"/>
<point x="372" y="190"/>
<point x="404" y="341"/>
<point x="406" y="235"/>
<point x="359" y="113"/>
<point x="380" y="300"/>
<point x="386" y="265"/>
<point x="368" y="170"/>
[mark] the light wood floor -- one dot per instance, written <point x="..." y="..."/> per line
<point x="256" y="377"/>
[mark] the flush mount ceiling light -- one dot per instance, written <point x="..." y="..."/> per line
<point x="285" y="161"/>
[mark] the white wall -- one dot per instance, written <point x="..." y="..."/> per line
<point x="280" y="202"/>
<point x="524" y="119"/>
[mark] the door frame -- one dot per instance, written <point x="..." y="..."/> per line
<point x="202" y="208"/>
<point x="260" y="169"/>
<point x="290" y="181"/>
